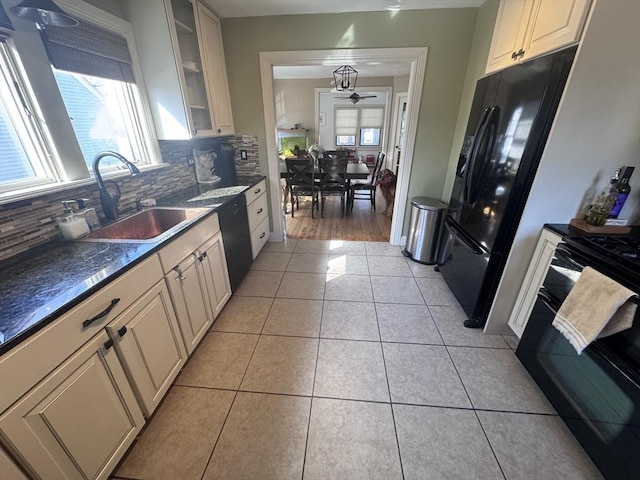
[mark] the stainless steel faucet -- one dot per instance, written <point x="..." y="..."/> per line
<point x="109" y="201"/>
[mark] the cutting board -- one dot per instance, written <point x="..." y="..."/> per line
<point x="583" y="225"/>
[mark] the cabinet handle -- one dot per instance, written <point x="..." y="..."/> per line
<point x="103" y="313"/>
<point x="195" y="131"/>
<point x="257" y="191"/>
<point x="108" y="344"/>
<point x="514" y="55"/>
<point x="520" y="53"/>
<point x="263" y="234"/>
<point x="202" y="256"/>
<point x="259" y="212"/>
<point x="122" y="331"/>
<point x="219" y="130"/>
<point x="178" y="270"/>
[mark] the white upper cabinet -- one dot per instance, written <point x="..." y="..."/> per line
<point x="528" y="28"/>
<point x="182" y="58"/>
<point x="210" y="36"/>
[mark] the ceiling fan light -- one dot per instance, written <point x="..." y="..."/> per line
<point x="44" y="12"/>
<point x="345" y="78"/>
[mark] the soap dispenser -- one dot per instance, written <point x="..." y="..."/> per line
<point x="89" y="213"/>
<point x="72" y="224"/>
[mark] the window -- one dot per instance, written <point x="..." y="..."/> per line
<point x="98" y="105"/>
<point x="93" y="70"/>
<point x="367" y="120"/>
<point x="346" y="121"/>
<point x="371" y="121"/>
<point x="22" y="149"/>
<point x="98" y="110"/>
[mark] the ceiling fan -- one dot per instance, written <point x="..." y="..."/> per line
<point x="355" y="98"/>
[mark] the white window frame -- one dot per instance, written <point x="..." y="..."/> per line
<point x="65" y="157"/>
<point x="357" y="133"/>
<point x="22" y="115"/>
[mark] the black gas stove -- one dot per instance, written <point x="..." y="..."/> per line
<point x="619" y="253"/>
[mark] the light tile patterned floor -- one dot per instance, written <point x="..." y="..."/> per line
<point x="344" y="360"/>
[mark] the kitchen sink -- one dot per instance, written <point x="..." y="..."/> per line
<point x="147" y="225"/>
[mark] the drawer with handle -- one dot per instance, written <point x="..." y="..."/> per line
<point x="257" y="212"/>
<point x="30" y="361"/>
<point x="259" y="237"/>
<point x="254" y="192"/>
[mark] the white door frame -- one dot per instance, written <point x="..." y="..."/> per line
<point x="400" y="99"/>
<point x="417" y="56"/>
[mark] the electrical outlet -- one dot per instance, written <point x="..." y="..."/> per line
<point x="191" y="161"/>
<point x="243" y="154"/>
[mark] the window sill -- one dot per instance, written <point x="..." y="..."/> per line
<point x="40" y="190"/>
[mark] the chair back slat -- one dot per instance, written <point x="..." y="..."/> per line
<point x="333" y="172"/>
<point x="377" y="167"/>
<point x="300" y="172"/>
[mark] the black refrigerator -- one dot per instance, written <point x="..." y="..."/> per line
<point x="509" y="122"/>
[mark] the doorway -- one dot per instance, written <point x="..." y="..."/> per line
<point x="397" y="130"/>
<point x="416" y="56"/>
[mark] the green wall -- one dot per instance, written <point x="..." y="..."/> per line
<point x="447" y="33"/>
<point x="475" y="70"/>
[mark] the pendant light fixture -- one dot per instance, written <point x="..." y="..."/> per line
<point x="44" y="12"/>
<point x="345" y="78"/>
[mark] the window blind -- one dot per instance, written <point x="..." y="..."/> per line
<point x="346" y="122"/>
<point x="89" y="50"/>
<point x="371" y="117"/>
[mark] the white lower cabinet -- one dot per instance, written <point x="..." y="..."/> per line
<point x="77" y="422"/>
<point x="542" y="257"/>
<point x="148" y="341"/>
<point x="188" y="293"/>
<point x="214" y="268"/>
<point x="258" y="213"/>
<point x="9" y="468"/>
<point x="74" y="395"/>
<point x="196" y="273"/>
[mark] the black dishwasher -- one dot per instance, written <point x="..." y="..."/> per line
<point x="236" y="237"/>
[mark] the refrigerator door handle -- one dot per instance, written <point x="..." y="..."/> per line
<point x="473" y="151"/>
<point x="462" y="237"/>
<point x="490" y="127"/>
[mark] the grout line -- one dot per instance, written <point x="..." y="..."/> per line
<point x="313" y="390"/>
<point x="386" y="374"/>
<point x="232" y="403"/>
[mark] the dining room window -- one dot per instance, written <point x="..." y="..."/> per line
<point x="363" y="124"/>
<point x="346" y="125"/>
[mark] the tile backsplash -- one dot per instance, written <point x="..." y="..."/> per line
<point x="25" y="224"/>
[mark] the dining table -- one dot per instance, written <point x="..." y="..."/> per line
<point x="355" y="171"/>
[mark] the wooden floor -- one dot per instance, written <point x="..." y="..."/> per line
<point x="362" y="224"/>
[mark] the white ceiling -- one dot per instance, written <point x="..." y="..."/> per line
<point x="260" y="8"/>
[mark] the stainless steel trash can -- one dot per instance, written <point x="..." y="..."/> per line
<point x="425" y="225"/>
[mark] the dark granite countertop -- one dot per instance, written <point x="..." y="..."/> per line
<point x="37" y="287"/>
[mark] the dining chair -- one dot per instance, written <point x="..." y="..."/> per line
<point x="301" y="182"/>
<point x="368" y="187"/>
<point x="333" y="181"/>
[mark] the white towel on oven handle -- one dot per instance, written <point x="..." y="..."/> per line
<point x="596" y="307"/>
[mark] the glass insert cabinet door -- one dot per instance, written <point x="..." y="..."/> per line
<point x="192" y="70"/>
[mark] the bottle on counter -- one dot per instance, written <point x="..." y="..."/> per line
<point x="598" y="213"/>
<point x="622" y="191"/>
<point x="90" y="214"/>
<point x="72" y="224"/>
